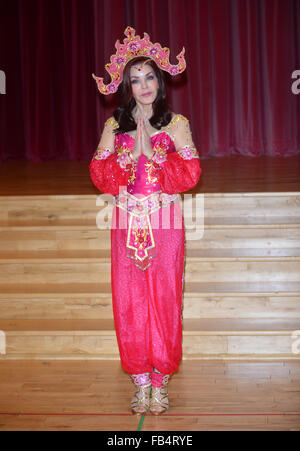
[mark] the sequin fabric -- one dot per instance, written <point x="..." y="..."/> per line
<point x="102" y="154"/>
<point x="147" y="291"/>
<point x="140" y="241"/>
<point x="141" y="379"/>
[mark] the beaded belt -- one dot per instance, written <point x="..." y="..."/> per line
<point x="140" y="241"/>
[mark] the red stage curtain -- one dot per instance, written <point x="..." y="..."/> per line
<point x="236" y="90"/>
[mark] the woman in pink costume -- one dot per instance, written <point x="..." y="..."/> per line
<point x="145" y="158"/>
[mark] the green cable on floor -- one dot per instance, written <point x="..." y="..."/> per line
<point x="141" y="422"/>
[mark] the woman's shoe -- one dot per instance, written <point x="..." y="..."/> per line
<point x="141" y="399"/>
<point x="159" y="402"/>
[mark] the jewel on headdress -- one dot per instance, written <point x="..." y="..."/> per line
<point x="132" y="47"/>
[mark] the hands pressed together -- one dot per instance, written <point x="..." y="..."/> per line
<point x="142" y="142"/>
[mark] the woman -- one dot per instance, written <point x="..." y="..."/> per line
<point x="145" y="158"/>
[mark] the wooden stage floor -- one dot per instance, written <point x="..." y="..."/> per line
<point x="204" y="394"/>
<point x="234" y="174"/>
<point x="96" y="395"/>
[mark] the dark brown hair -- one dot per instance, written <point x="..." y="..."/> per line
<point x="123" y="114"/>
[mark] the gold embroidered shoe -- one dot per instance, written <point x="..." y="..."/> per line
<point x="159" y="402"/>
<point x="141" y="399"/>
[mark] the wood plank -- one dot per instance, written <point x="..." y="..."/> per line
<point x="204" y="395"/>
<point x="57" y="256"/>
<point x="284" y="270"/>
<point x="216" y="326"/>
<point x="228" y="174"/>
<point x="216" y="242"/>
<point x="56" y="306"/>
<point x="193" y="256"/>
<point x="95" y="339"/>
<point x="226" y="208"/>
<point x="83" y="306"/>
<point x="194" y="288"/>
<point x="240" y="306"/>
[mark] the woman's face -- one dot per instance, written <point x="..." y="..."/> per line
<point x="144" y="83"/>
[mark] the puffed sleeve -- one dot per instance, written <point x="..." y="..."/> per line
<point x="107" y="170"/>
<point x="179" y="171"/>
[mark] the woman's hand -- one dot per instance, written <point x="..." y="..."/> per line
<point x="142" y="142"/>
<point x="137" y="150"/>
<point x="146" y="144"/>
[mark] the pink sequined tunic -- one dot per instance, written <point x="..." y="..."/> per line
<point x="147" y="248"/>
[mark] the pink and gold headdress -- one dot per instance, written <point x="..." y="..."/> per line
<point x="132" y="47"/>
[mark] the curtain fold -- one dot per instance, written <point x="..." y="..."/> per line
<point x="236" y="90"/>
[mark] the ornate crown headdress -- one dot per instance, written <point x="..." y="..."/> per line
<point x="132" y="47"/>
